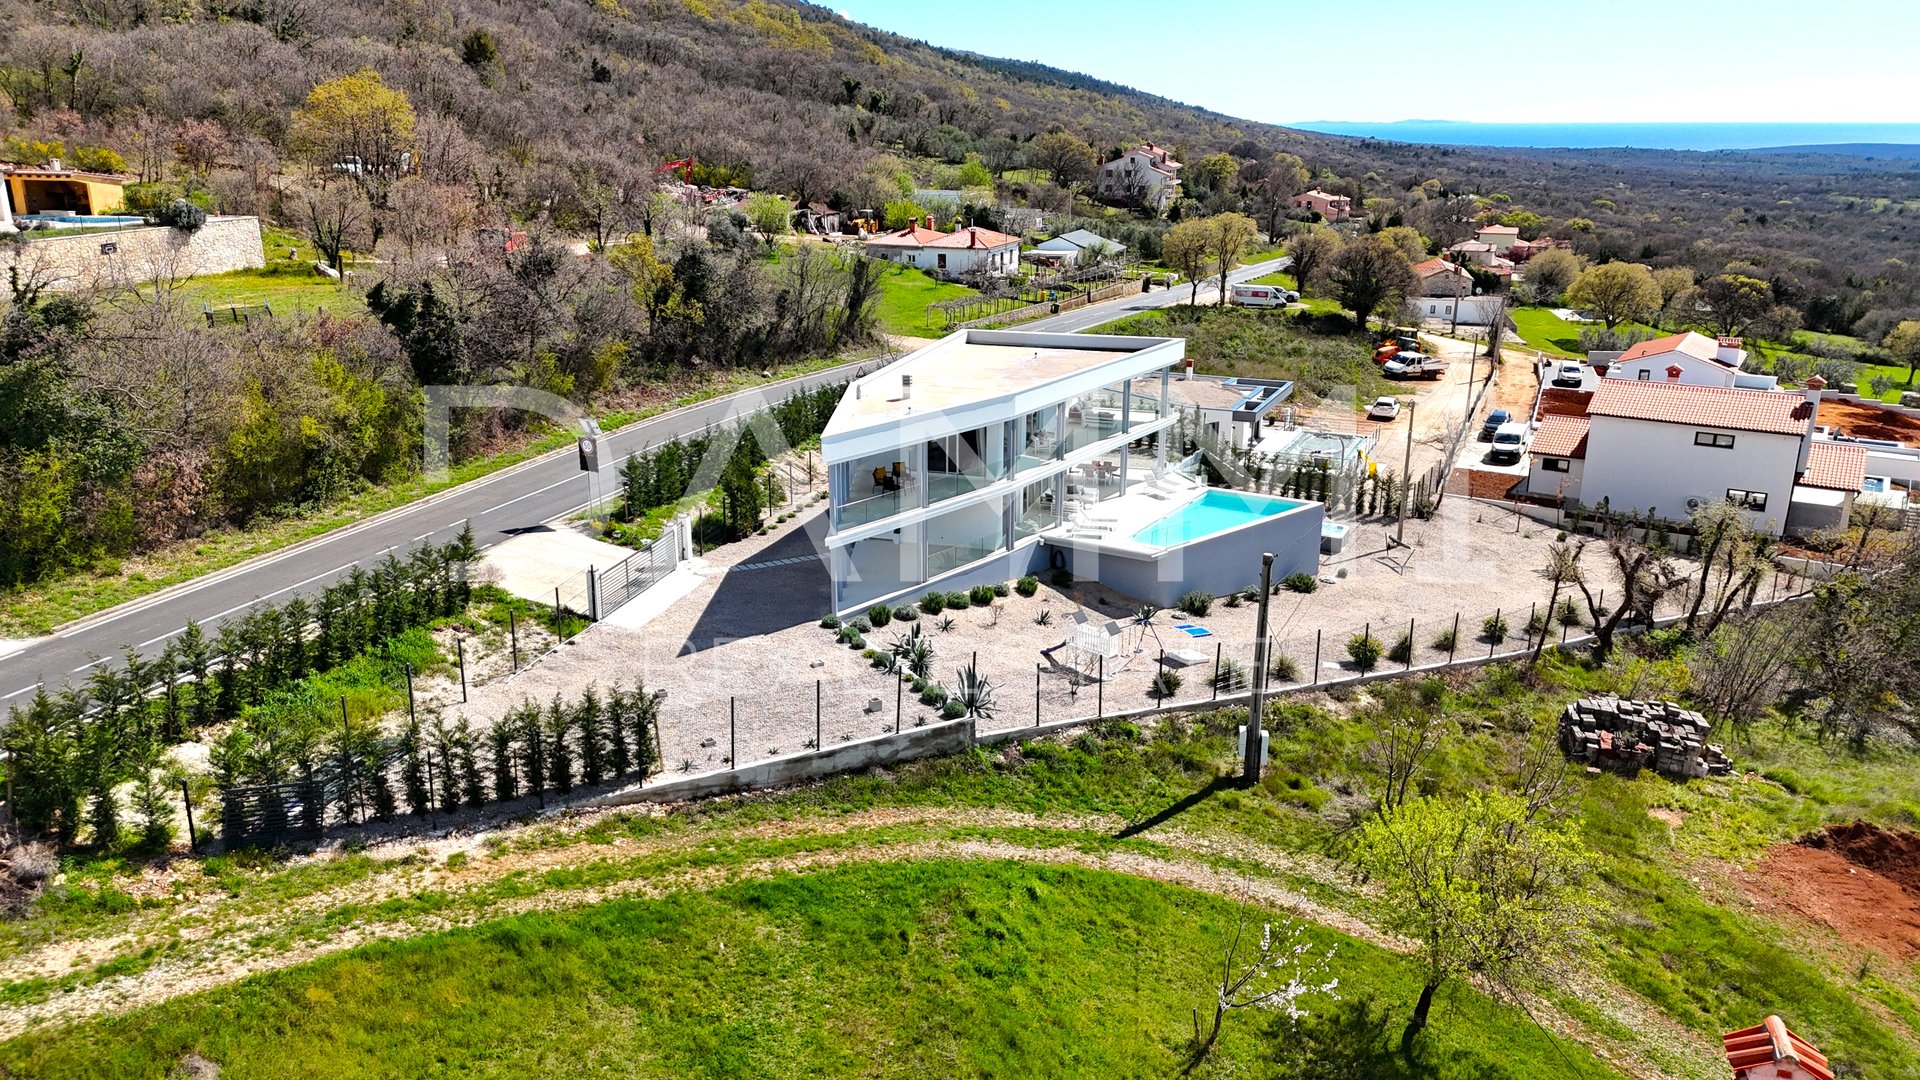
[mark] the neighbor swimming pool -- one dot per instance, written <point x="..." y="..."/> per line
<point x="1215" y="511"/>
<point x="81" y="219"/>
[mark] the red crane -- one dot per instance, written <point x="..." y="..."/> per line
<point x="684" y="166"/>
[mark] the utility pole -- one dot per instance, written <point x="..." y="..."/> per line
<point x="1254" y="759"/>
<point x="1406" y="479"/>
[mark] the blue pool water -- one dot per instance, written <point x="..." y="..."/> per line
<point x="1214" y="511"/>
<point x="81" y="219"/>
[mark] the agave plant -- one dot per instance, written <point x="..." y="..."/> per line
<point x="972" y="692"/>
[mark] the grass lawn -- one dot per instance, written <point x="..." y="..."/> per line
<point x="937" y="968"/>
<point x="847" y="937"/>
<point x="905" y="293"/>
<point x="38" y="608"/>
<point x="288" y="285"/>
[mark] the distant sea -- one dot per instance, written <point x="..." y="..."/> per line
<point x="1641" y="136"/>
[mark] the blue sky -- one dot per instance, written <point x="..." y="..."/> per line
<point x="1545" y="61"/>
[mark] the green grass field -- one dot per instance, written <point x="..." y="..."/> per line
<point x="905" y="293"/>
<point x="845" y="928"/>
<point x="938" y="968"/>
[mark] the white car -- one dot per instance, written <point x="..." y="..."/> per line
<point x="1383" y="408"/>
<point x="1509" y="443"/>
<point x="1571" y="374"/>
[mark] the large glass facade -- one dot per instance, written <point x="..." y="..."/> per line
<point x="964" y="462"/>
<point x="877" y="486"/>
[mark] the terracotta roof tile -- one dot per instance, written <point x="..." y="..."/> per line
<point x="974" y="236"/>
<point x="1502" y="229"/>
<point x="916" y="236"/>
<point x="1561" y="436"/>
<point x="1753" y="1049"/>
<point x="1698" y="346"/>
<point x="1835" y="467"/>
<point x="1772" y="411"/>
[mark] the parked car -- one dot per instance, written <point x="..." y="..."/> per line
<point x="1509" y="442"/>
<point x="1494" y="419"/>
<point x="1571" y="374"/>
<point x="1384" y="408"/>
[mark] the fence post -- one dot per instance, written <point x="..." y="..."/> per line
<point x="1533" y="612"/>
<point x="429" y="756"/>
<point x="186" y="800"/>
<point x="816" y="713"/>
<point x="1410" y="646"/>
<point x="1036" y="695"/>
<point x="733" y="741"/>
<point x="1492" y="644"/>
<point x="1100" y="689"/>
<point x="1316" y="658"/>
<point x="460" y="650"/>
<point x="1453" y="643"/>
<point x="513" y="635"/>
<point x="1216" y="670"/>
<point x="899" y="697"/>
<point x="408" y="669"/>
<point x="559" y="627"/>
<point x="593" y="594"/>
<point x="346" y="751"/>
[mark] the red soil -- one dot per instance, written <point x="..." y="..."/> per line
<point x="1859" y="880"/>
<point x="1867" y="422"/>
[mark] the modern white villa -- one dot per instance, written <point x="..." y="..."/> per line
<point x="990" y="454"/>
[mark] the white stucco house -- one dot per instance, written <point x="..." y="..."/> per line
<point x="1699" y="360"/>
<point x="945" y="254"/>
<point x="1146" y="175"/>
<point x="1500" y="238"/>
<point x="991" y="454"/>
<point x="1667" y="447"/>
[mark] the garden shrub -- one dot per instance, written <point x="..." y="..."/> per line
<point x="1196" y="603"/>
<point x="1364" y="649"/>
<point x="879" y="615"/>
<point x="1300" y="583"/>
<point x="1027" y="586"/>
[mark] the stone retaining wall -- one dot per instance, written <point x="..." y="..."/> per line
<point x="133" y="256"/>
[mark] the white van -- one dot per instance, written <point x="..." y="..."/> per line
<point x="1509" y="443"/>
<point x="1262" y="296"/>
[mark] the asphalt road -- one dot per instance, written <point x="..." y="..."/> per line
<point x="537" y="491"/>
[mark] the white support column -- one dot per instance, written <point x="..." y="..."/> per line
<point x="6" y="206"/>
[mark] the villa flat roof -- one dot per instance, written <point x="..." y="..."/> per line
<point x="977" y="367"/>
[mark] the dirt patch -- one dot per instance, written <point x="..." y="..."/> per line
<point x="1861" y="881"/>
<point x="1481" y="484"/>
<point x="1557" y="402"/>
<point x="1889" y="853"/>
<point x="1868" y="422"/>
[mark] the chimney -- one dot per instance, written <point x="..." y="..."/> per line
<point x="1728" y="350"/>
<point x="929" y="221"/>
<point x="54" y="165"/>
<point x="1674" y="371"/>
<point x="906" y="388"/>
<point x="1814" y="385"/>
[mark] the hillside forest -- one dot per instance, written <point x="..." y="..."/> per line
<point x="398" y="142"/>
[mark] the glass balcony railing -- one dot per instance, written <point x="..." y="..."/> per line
<point x="872" y="508"/>
<point x="942" y="558"/>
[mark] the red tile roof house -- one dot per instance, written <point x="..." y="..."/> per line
<point x="1669" y="447"/>
<point x="1146" y="175"/>
<point x="1498" y="237"/>
<point x="1768" y="1051"/>
<point x="948" y="254"/>
<point x="1438" y="277"/>
<point x="1325" y="203"/>
<point x="1703" y="361"/>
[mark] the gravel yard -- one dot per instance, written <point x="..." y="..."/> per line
<point x="746" y="641"/>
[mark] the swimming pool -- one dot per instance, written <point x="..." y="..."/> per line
<point x="1215" y="511"/>
<point x="81" y="219"/>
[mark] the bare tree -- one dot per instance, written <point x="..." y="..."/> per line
<point x="1642" y="576"/>
<point x="336" y="218"/>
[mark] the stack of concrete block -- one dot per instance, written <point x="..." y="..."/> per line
<point x="1628" y="736"/>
